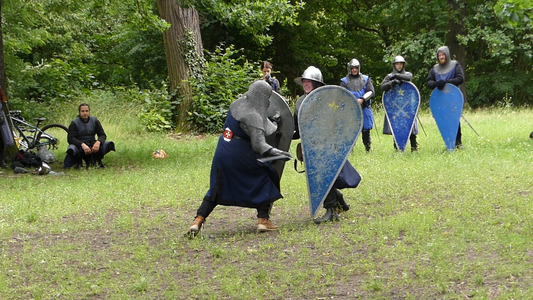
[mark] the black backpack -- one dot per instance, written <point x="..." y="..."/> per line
<point x="27" y="159"/>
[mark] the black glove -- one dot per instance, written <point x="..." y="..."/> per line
<point x="277" y="152"/>
<point x="268" y="78"/>
<point x="441" y="84"/>
<point x="392" y="76"/>
<point x="395" y="82"/>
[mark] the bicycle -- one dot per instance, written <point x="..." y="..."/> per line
<point x="48" y="136"/>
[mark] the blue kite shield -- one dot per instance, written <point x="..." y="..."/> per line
<point x="330" y="120"/>
<point x="279" y="111"/>
<point x="401" y="105"/>
<point x="447" y="106"/>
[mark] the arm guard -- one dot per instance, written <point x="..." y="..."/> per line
<point x="257" y="138"/>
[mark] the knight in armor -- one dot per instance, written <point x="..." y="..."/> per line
<point x="348" y="177"/>
<point x="358" y="84"/>
<point x="237" y="178"/>
<point x="83" y="146"/>
<point x="446" y="71"/>
<point x="266" y="68"/>
<point x="397" y="76"/>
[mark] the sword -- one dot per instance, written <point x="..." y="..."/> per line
<point x="401" y="109"/>
<point x="365" y="97"/>
<point x="272" y="158"/>
<point x="421" y="125"/>
<point x="469" y="124"/>
<point x="375" y="126"/>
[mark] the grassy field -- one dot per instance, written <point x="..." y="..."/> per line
<point x="425" y="225"/>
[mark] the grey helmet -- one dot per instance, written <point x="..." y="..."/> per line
<point x="353" y="63"/>
<point x="398" y="59"/>
<point x="311" y="73"/>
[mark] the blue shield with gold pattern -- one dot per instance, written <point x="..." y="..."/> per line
<point x="401" y="105"/>
<point x="330" y="120"/>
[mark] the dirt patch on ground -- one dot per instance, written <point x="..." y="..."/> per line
<point x="149" y="243"/>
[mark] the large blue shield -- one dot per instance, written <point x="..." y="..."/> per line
<point x="401" y="105"/>
<point x="447" y="106"/>
<point x="330" y="120"/>
<point x="282" y="138"/>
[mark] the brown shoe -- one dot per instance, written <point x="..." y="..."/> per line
<point x="264" y="224"/>
<point x="196" y="226"/>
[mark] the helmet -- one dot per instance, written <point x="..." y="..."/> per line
<point x="353" y="63"/>
<point x="398" y="59"/>
<point x="311" y="73"/>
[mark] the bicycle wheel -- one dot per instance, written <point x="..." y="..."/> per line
<point x="51" y="136"/>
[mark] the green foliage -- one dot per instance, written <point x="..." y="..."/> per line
<point x="489" y="90"/>
<point x="226" y="75"/>
<point x="253" y="18"/>
<point x="56" y="50"/>
<point x="158" y="108"/>
<point x="516" y="12"/>
<point x="59" y="50"/>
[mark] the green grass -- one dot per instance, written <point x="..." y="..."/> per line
<point x="426" y="225"/>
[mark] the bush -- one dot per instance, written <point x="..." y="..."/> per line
<point x="225" y="76"/>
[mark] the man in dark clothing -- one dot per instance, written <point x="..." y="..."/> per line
<point x="82" y="142"/>
<point x="446" y="71"/>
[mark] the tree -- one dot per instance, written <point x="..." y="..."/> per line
<point x="455" y="28"/>
<point x="183" y="45"/>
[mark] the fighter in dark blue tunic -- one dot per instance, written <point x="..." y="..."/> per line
<point x="237" y="178"/>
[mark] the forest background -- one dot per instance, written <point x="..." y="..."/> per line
<point x="187" y="60"/>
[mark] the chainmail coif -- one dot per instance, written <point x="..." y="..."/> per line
<point x="448" y="65"/>
<point x="251" y="108"/>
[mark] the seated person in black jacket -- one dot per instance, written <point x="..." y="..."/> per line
<point x="82" y="142"/>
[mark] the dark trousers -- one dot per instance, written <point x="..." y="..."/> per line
<point x="412" y="139"/>
<point x="75" y="155"/>
<point x="458" y="140"/>
<point x="367" y="140"/>
<point x="331" y="199"/>
<point x="207" y="207"/>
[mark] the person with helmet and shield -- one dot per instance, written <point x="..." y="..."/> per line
<point x="446" y="71"/>
<point x="358" y="84"/>
<point x="391" y="80"/>
<point x="348" y="177"/>
<point x="237" y="177"/>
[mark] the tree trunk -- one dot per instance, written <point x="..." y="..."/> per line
<point x="12" y="150"/>
<point x="181" y="20"/>
<point x="455" y="28"/>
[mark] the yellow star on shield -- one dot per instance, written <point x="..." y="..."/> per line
<point x="333" y="105"/>
<point x="400" y="91"/>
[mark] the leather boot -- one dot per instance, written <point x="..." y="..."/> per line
<point x="196" y="226"/>
<point x="3" y="164"/>
<point x="264" y="224"/>
<point x="329" y="216"/>
<point x="343" y="206"/>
